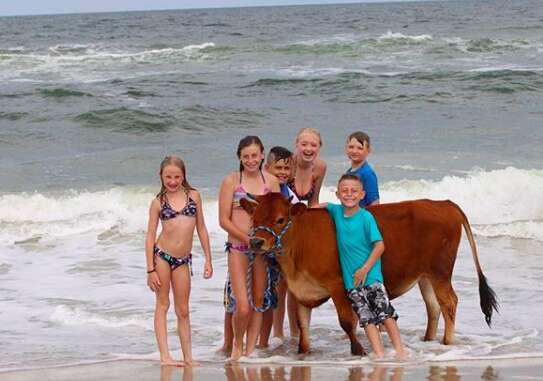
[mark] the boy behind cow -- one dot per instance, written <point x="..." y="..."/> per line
<point x="279" y="163"/>
<point x="360" y="246"/>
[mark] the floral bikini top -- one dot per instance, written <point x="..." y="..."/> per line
<point x="240" y="192"/>
<point x="167" y="212"/>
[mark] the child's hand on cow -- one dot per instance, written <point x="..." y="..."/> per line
<point x="360" y="276"/>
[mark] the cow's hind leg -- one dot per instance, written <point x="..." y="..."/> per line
<point x="447" y="300"/>
<point x="432" y="308"/>
<point x="304" y="316"/>
<point x="347" y="319"/>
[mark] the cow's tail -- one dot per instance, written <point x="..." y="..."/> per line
<point x="487" y="296"/>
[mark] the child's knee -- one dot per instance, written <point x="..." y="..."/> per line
<point x="182" y="311"/>
<point x="243" y="309"/>
<point x="162" y="305"/>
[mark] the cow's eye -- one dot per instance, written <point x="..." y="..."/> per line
<point x="280" y="221"/>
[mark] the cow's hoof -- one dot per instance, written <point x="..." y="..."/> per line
<point x="358" y="350"/>
<point x="303" y="350"/>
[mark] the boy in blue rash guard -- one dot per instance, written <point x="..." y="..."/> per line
<point x="357" y="150"/>
<point x="360" y="246"/>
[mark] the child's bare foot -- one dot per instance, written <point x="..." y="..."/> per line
<point x="237" y="352"/>
<point x="168" y="361"/>
<point x="276" y="341"/>
<point x="402" y="355"/>
<point x="225" y="350"/>
<point x="376" y="357"/>
<point x="191" y="362"/>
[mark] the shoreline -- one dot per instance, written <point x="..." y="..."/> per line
<point x="136" y="370"/>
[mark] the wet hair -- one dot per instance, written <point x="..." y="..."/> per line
<point x="246" y="142"/>
<point x="278" y="153"/>
<point x="176" y="161"/>
<point x="349" y="176"/>
<point x="360" y="136"/>
<point x="308" y="130"/>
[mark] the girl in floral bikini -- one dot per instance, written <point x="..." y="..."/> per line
<point x="179" y="207"/>
<point x="237" y="223"/>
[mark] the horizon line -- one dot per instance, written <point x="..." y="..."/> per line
<point x="294" y="4"/>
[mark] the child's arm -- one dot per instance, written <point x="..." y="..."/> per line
<point x="371" y="187"/>
<point x="361" y="274"/>
<point x="203" y="235"/>
<point x="320" y="206"/>
<point x="273" y="182"/>
<point x="152" y="278"/>
<point x="318" y="183"/>
<point x="376" y="202"/>
<point x="225" y="210"/>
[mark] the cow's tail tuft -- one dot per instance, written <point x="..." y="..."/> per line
<point x="487" y="296"/>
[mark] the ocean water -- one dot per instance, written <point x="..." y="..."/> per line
<point x="450" y="92"/>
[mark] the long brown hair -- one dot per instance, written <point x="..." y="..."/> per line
<point x="173" y="160"/>
<point x="246" y="142"/>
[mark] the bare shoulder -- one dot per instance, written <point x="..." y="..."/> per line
<point x="155" y="204"/>
<point x="320" y="166"/>
<point x="231" y="178"/>
<point x="195" y="195"/>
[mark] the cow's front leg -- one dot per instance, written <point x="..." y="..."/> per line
<point x="347" y="319"/>
<point x="304" y="317"/>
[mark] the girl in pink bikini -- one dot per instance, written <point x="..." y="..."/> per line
<point x="179" y="207"/>
<point x="237" y="223"/>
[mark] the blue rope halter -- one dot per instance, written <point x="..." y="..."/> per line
<point x="277" y="245"/>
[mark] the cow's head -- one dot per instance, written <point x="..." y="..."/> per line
<point x="272" y="216"/>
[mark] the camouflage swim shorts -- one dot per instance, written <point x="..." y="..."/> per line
<point x="371" y="304"/>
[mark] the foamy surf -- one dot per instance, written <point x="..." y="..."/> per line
<point x="490" y="199"/>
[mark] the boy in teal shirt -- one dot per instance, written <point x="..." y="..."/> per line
<point x="360" y="247"/>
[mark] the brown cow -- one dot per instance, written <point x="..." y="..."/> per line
<point x="421" y="239"/>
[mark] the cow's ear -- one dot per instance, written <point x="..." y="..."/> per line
<point x="298" y="209"/>
<point x="248" y="205"/>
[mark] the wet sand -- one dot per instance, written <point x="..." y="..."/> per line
<point x="491" y="370"/>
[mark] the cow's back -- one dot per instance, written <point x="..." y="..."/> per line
<point x="418" y="236"/>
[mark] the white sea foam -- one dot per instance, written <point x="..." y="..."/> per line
<point x="66" y="315"/>
<point x="490" y="199"/>
<point x="389" y="35"/>
<point x="73" y="62"/>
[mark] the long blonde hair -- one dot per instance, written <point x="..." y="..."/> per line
<point x="173" y="160"/>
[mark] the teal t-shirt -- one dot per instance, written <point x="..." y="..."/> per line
<point x="356" y="236"/>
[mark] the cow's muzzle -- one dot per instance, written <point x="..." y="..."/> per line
<point x="277" y="247"/>
<point x="256" y="243"/>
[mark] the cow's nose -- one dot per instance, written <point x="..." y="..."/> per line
<point x="256" y="243"/>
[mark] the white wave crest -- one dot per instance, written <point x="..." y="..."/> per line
<point x="77" y="60"/>
<point x="29" y="218"/>
<point x="389" y="35"/>
<point x="504" y="202"/>
<point x="75" y="316"/>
